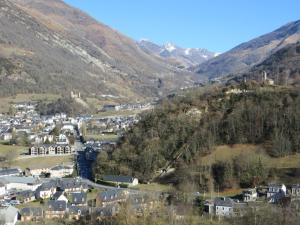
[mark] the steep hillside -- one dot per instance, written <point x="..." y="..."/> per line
<point x="283" y="66"/>
<point x="246" y="55"/>
<point x="185" y="129"/>
<point x="48" y="46"/>
<point x="180" y="57"/>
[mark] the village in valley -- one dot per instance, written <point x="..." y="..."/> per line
<point x="50" y="174"/>
<point x="63" y="186"/>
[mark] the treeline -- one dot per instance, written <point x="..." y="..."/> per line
<point x="184" y="128"/>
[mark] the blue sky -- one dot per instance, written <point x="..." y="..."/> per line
<point x="217" y="25"/>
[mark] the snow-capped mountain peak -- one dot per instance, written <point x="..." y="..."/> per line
<point x="175" y="55"/>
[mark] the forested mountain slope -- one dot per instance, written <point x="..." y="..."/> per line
<point x="185" y="128"/>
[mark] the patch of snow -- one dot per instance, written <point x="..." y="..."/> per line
<point x="170" y="47"/>
<point x="205" y="56"/>
<point x="217" y="53"/>
<point x="187" y="51"/>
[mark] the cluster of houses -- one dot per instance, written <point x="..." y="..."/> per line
<point x="133" y="106"/>
<point x="58" y="171"/>
<point x="51" y="149"/>
<point x="65" y="198"/>
<point x="110" y="124"/>
<point x="25" y="120"/>
<point x="274" y="193"/>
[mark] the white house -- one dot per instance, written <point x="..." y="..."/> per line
<point x="8" y="215"/>
<point x="295" y="190"/>
<point x="224" y="206"/>
<point x="46" y="190"/>
<point x="62" y="140"/>
<point x="61" y="171"/>
<point x="276" y="192"/>
<point x="20" y="183"/>
<point x="250" y="195"/>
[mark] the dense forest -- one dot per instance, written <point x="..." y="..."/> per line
<point x="190" y="125"/>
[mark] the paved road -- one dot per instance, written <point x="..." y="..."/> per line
<point x="84" y="166"/>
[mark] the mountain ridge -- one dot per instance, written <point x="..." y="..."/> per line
<point x="53" y="47"/>
<point x="242" y="57"/>
<point x="175" y="55"/>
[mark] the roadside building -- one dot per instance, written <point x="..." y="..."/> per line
<point x="72" y="185"/>
<point x="61" y="171"/>
<point x="21" y="183"/>
<point x="119" y="180"/>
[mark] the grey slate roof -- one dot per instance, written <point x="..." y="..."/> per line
<point x="35" y="212"/>
<point x="21" y="180"/>
<point x="119" y="179"/>
<point x="56" y="206"/>
<point x="25" y="194"/>
<point x="111" y="195"/>
<point x="57" y="195"/>
<point x="9" y="172"/>
<point x="226" y="202"/>
<point x="78" y="198"/>
<point x="79" y="210"/>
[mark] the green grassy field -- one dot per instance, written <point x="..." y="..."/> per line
<point x="154" y="187"/>
<point x="6" y="149"/>
<point x="225" y="153"/>
<point x="42" y="162"/>
<point x="102" y="137"/>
